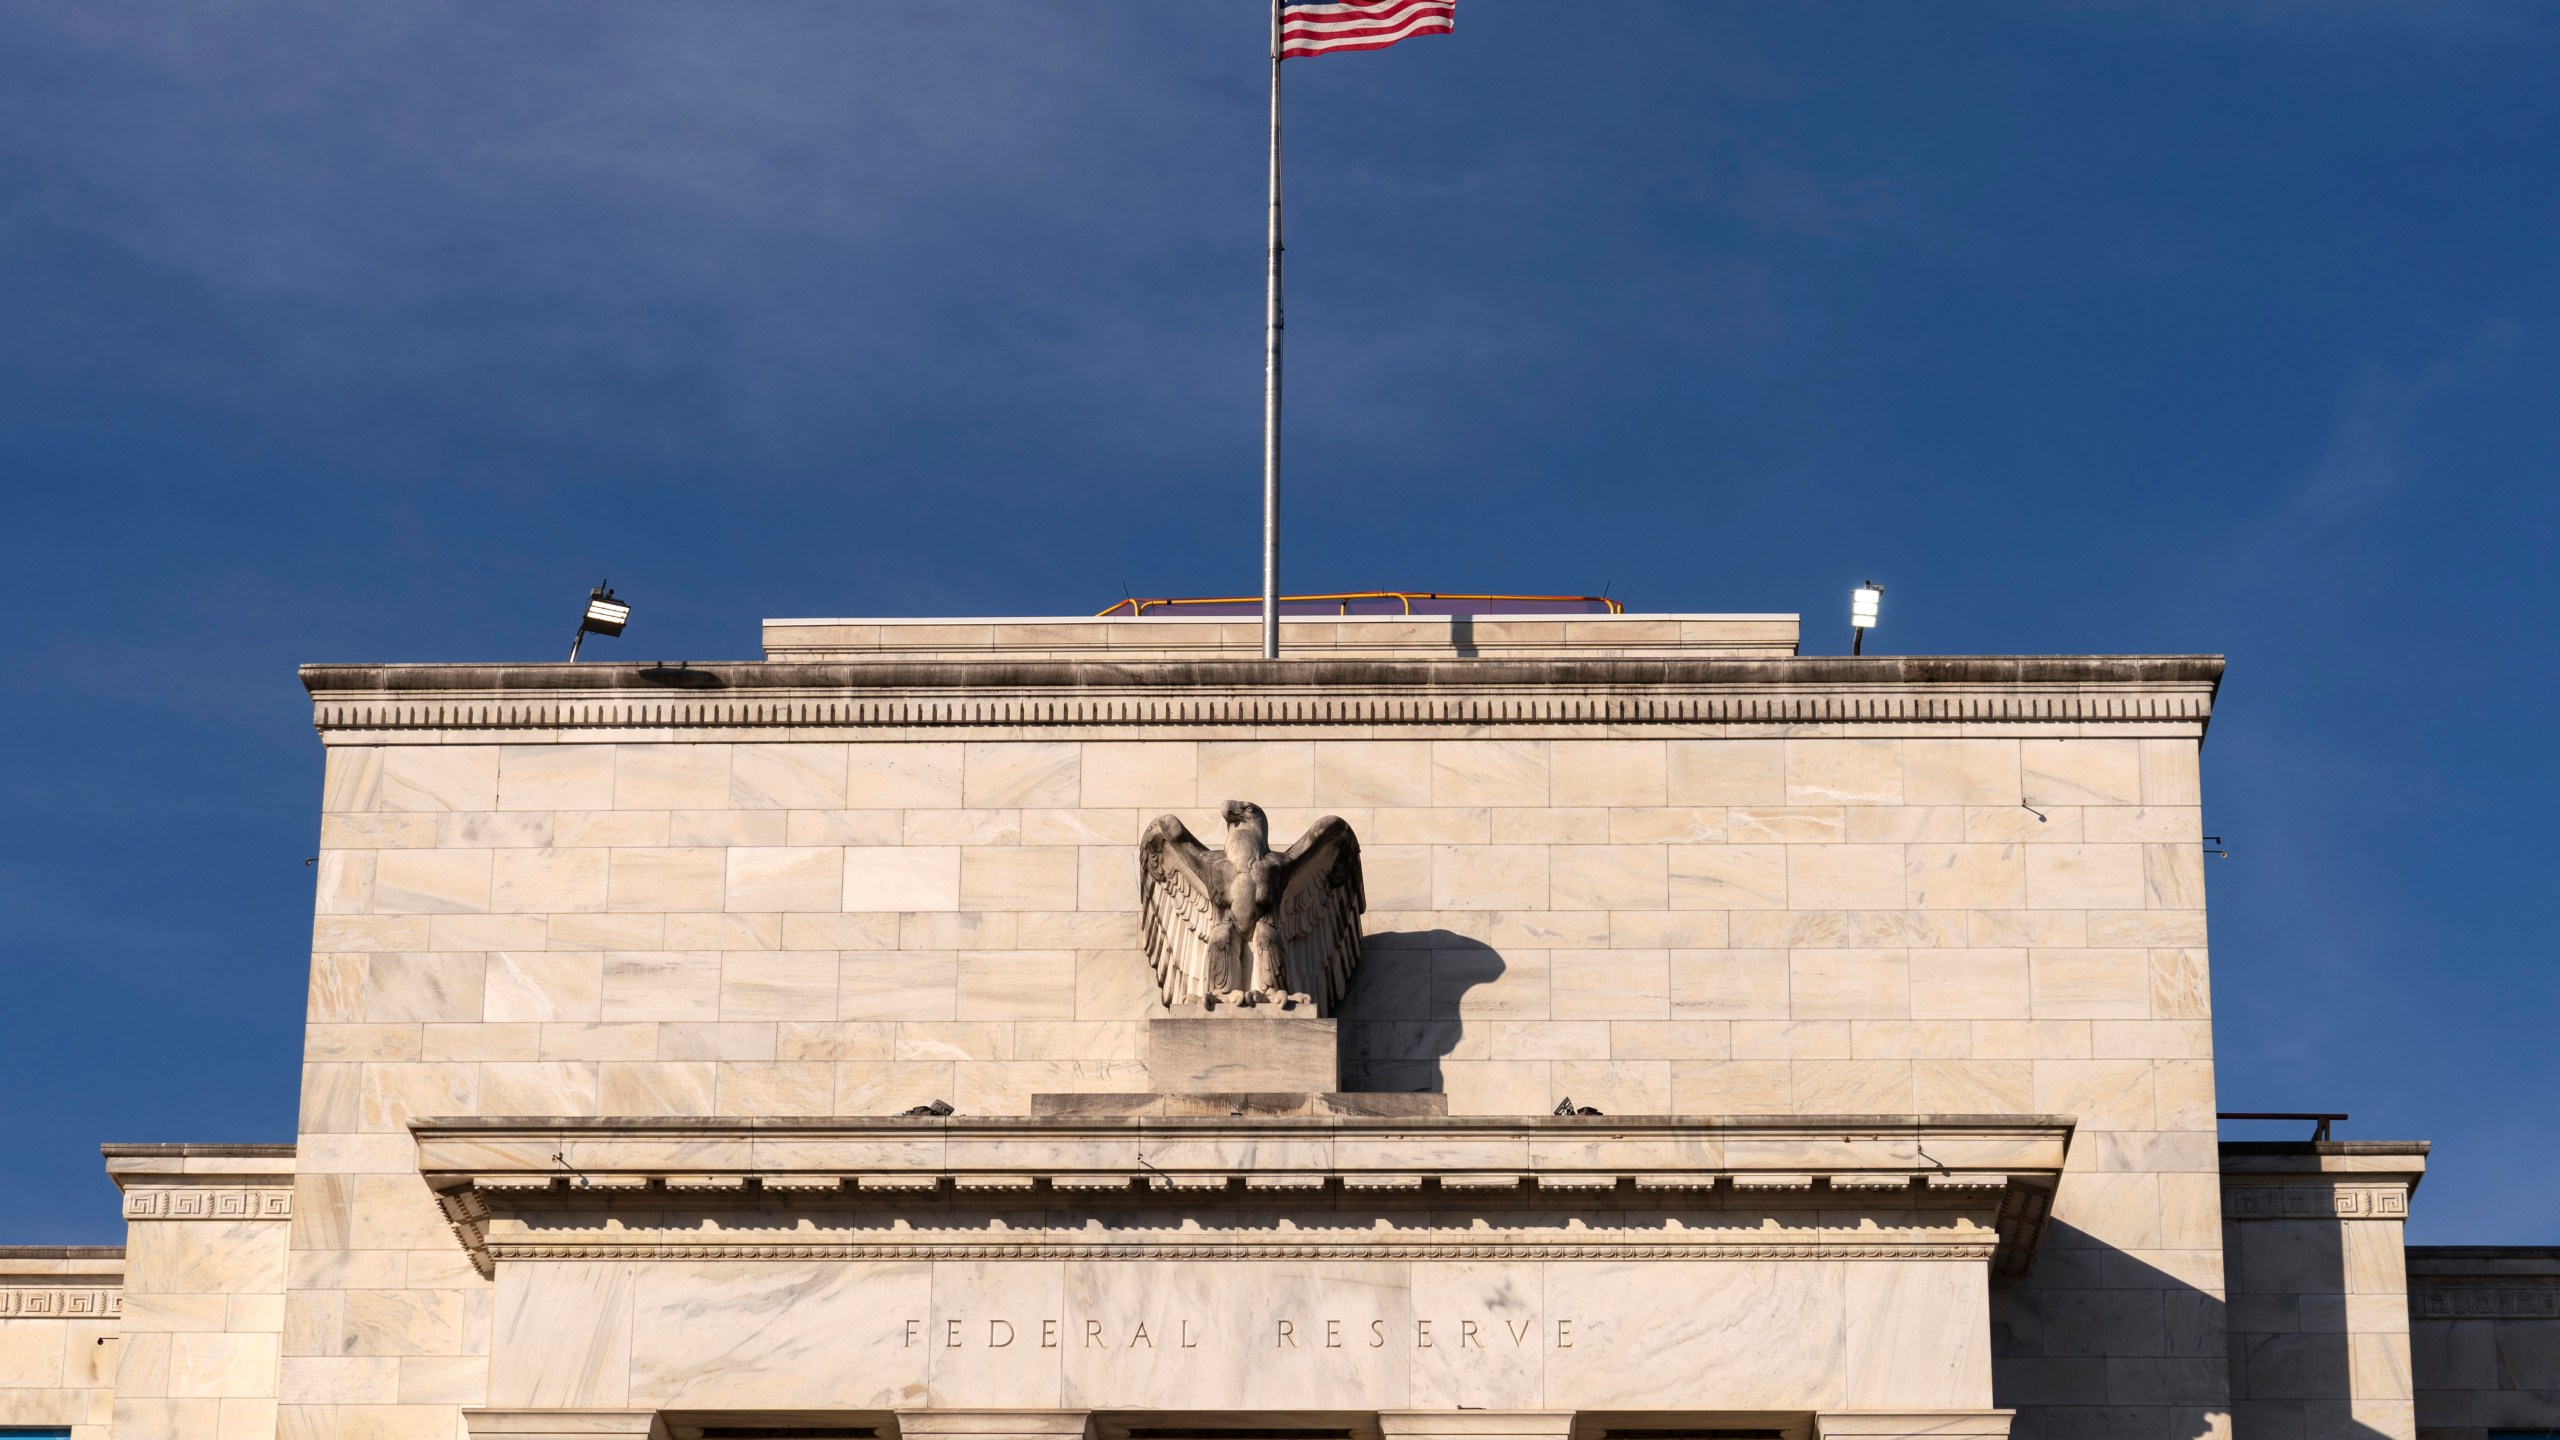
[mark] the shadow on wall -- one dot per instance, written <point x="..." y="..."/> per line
<point x="2093" y="1341"/>
<point x="1401" y="1018"/>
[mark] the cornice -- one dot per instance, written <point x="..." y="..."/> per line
<point x="2320" y="1180"/>
<point x="1670" y="696"/>
<point x="1247" y="1188"/>
<point x="2484" y="1282"/>
<point x="2315" y="1200"/>
<point x="203" y="1182"/>
<point x="61" y="1282"/>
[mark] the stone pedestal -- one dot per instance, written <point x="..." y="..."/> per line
<point x="1236" y="1051"/>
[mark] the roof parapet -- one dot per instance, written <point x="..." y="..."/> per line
<point x="1302" y="637"/>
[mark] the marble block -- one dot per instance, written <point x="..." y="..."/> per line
<point x="1240" y="1051"/>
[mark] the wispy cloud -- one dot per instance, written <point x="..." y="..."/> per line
<point x="2370" y="458"/>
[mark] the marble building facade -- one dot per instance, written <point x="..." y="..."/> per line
<point x="1884" y="982"/>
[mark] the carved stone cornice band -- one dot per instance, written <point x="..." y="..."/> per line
<point x="67" y="1297"/>
<point x="60" y="1302"/>
<point x="1266" y="1187"/>
<point x="2161" y="695"/>
<point x="200" y="1202"/>
<point x="229" y="1183"/>
<point x="61" y="1282"/>
<point x="2437" y="1300"/>
<point x="2320" y="1180"/>
<point x="2315" y="1202"/>
<point x="2487" y="1282"/>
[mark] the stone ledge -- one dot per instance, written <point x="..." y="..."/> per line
<point x="2485" y="1261"/>
<point x="203" y="1182"/>
<point x="50" y="1259"/>
<point x="1237" y="1103"/>
<point x="485" y="1424"/>
<point x="1900" y="1425"/>
<point x="198" y="1158"/>
<point x="1636" y="1146"/>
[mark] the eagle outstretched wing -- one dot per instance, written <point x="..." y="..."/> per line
<point x="1318" y="910"/>
<point x="1189" y="944"/>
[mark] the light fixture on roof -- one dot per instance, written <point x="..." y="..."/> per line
<point x="605" y="615"/>
<point x="1863" y="604"/>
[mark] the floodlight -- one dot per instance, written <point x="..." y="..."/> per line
<point x="606" y="615"/>
<point x="1864" y="602"/>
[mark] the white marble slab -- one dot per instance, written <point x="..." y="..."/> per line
<point x="1783" y="1335"/>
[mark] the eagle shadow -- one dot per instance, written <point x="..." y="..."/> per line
<point x="1401" y="1017"/>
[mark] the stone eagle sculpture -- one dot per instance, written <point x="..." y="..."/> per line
<point x="1243" y="926"/>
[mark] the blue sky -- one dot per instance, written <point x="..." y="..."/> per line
<point x="379" y="332"/>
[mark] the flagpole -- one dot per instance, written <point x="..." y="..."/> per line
<point x="1271" y="379"/>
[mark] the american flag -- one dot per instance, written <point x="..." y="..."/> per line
<point x="1323" y="28"/>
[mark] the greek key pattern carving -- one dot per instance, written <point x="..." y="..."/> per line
<point x="2315" y="1202"/>
<point x="193" y="1202"/>
<point x="2463" y="1302"/>
<point x="956" y="711"/>
<point x="60" y="1302"/>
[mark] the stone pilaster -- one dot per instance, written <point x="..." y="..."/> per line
<point x="207" y="1228"/>
<point x="2318" y="1286"/>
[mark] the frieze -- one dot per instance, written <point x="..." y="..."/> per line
<point x="60" y="1302"/>
<point x="2315" y="1202"/>
<point x="1286" y="1332"/>
<point x="197" y="1202"/>
<point x="2464" y="1302"/>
